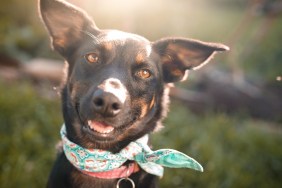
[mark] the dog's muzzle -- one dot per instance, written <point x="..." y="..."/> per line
<point x="106" y="104"/>
<point x="109" y="97"/>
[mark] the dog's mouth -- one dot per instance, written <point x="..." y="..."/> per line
<point x="99" y="127"/>
<point x="100" y="130"/>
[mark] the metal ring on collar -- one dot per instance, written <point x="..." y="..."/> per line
<point x="126" y="179"/>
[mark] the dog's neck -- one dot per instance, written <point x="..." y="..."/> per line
<point x="93" y="161"/>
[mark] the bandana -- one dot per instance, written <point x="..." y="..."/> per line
<point x="96" y="160"/>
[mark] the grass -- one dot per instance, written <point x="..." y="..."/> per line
<point x="234" y="151"/>
<point x="28" y="132"/>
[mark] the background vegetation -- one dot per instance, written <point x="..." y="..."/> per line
<point x="236" y="150"/>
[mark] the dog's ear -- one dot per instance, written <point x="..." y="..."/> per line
<point x="66" y="23"/>
<point x="178" y="55"/>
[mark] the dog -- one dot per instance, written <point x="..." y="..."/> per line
<point x="114" y="95"/>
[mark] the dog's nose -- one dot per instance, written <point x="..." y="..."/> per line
<point x="106" y="104"/>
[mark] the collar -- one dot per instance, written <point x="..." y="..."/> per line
<point x="96" y="161"/>
<point x="121" y="172"/>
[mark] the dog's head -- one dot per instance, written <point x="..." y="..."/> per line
<point x="115" y="89"/>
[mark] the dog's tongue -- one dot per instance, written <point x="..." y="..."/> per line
<point x="100" y="127"/>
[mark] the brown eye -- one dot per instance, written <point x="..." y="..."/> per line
<point x="144" y="73"/>
<point x="92" y="58"/>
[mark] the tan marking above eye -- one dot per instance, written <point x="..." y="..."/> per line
<point x="108" y="45"/>
<point x="144" y="73"/>
<point x="92" y="58"/>
<point x="140" y="58"/>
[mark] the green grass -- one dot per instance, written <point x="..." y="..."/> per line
<point x="29" y="131"/>
<point x="234" y="151"/>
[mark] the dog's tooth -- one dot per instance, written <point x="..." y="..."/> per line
<point x="100" y="127"/>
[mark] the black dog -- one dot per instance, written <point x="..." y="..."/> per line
<point x="115" y="91"/>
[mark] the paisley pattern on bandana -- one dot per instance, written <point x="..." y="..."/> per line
<point x="95" y="160"/>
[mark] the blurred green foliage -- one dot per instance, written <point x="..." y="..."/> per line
<point x="29" y="126"/>
<point x="22" y="35"/>
<point x="234" y="151"/>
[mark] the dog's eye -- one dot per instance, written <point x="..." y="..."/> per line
<point x="144" y="73"/>
<point x="92" y="58"/>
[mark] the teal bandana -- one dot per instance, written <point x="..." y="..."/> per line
<point x="95" y="160"/>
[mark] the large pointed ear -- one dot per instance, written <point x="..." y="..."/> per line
<point x="178" y="55"/>
<point x="66" y="24"/>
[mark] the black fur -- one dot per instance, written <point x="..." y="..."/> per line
<point x="143" y="68"/>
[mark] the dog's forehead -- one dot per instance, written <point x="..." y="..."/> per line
<point x="121" y="37"/>
<point x="112" y="38"/>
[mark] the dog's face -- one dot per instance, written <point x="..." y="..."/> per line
<point x="115" y="89"/>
